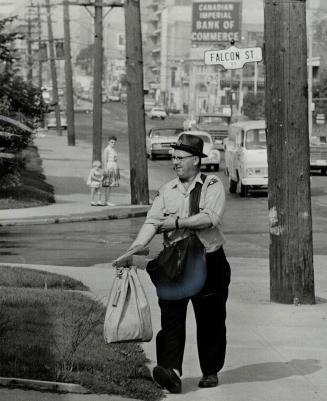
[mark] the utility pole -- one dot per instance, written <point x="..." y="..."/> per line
<point x="68" y="78"/>
<point x="29" y="49"/>
<point x="97" y="80"/>
<point x="39" y="23"/>
<point x="255" y="80"/>
<point x="310" y="78"/>
<point x="135" y="104"/>
<point x="55" y="96"/>
<point x="289" y="195"/>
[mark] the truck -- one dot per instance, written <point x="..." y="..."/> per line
<point x="216" y="125"/>
<point x="318" y="155"/>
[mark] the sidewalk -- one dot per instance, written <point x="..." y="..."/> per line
<point x="275" y="352"/>
<point x="67" y="168"/>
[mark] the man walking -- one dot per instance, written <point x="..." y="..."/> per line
<point x="170" y="215"/>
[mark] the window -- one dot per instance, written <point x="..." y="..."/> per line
<point x="256" y="139"/>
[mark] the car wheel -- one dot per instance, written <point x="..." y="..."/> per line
<point x="208" y="167"/>
<point x="232" y="186"/>
<point x="152" y="156"/>
<point x="162" y="118"/>
<point x="244" y="191"/>
<point x="152" y="117"/>
<point x="324" y="171"/>
<point x="216" y="167"/>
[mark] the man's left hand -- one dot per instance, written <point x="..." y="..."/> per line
<point x="167" y="224"/>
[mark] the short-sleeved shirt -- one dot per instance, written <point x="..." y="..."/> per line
<point x="173" y="200"/>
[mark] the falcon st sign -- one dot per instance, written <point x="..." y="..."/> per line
<point x="233" y="57"/>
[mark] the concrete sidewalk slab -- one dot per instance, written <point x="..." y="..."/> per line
<point x="67" y="169"/>
<point x="275" y="352"/>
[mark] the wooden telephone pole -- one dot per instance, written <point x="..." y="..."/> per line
<point x="289" y="195"/>
<point x="39" y="24"/>
<point x="68" y="78"/>
<point x="97" y="80"/>
<point x="135" y="104"/>
<point x="55" y="96"/>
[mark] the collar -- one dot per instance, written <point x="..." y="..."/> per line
<point x="177" y="183"/>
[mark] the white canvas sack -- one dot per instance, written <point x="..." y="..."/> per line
<point x="128" y="315"/>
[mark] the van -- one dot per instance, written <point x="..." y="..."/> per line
<point x="246" y="156"/>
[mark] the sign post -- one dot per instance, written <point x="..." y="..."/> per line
<point x="233" y="58"/>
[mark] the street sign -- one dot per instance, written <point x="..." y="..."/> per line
<point x="233" y="57"/>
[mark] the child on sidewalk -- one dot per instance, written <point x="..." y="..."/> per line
<point x="94" y="181"/>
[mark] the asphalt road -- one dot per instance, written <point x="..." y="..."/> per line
<point x="85" y="244"/>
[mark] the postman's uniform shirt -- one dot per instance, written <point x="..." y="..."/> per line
<point x="173" y="200"/>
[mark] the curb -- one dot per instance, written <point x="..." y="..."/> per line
<point x="41" y="385"/>
<point x="73" y="219"/>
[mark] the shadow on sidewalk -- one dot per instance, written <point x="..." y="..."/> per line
<point x="68" y="185"/>
<point x="260" y="372"/>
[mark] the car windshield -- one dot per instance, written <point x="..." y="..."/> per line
<point x="204" y="138"/>
<point x="256" y="139"/>
<point x="166" y="132"/>
<point x="214" y="120"/>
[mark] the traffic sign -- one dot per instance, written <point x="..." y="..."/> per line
<point x="233" y="57"/>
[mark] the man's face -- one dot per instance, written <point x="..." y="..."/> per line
<point x="185" y="164"/>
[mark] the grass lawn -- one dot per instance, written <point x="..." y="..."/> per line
<point x="20" y="277"/>
<point x="58" y="335"/>
<point x="34" y="191"/>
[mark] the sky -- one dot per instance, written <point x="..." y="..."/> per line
<point x="252" y="9"/>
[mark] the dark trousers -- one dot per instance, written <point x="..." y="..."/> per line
<point x="210" y="314"/>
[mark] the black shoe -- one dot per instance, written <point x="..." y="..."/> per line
<point x="209" y="381"/>
<point x="167" y="379"/>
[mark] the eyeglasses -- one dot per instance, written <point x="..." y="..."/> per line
<point x="180" y="158"/>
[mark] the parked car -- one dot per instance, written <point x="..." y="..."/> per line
<point x="157" y="112"/>
<point x="246" y="156"/>
<point x="51" y="121"/>
<point x="216" y="125"/>
<point x="213" y="159"/>
<point x="318" y="155"/>
<point x="83" y="106"/>
<point x="159" y="141"/>
<point x="114" y="97"/>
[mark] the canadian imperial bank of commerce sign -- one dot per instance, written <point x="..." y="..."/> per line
<point x="215" y="21"/>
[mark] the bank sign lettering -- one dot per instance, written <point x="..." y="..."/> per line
<point x="233" y="57"/>
<point x="215" y="22"/>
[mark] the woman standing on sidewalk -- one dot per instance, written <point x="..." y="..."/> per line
<point x="111" y="175"/>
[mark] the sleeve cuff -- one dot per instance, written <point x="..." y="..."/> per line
<point x="140" y="261"/>
<point x="214" y="218"/>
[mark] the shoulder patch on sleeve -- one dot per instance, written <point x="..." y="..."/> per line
<point x="212" y="180"/>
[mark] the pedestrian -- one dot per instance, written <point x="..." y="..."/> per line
<point x="94" y="181"/>
<point x="171" y="215"/>
<point x="111" y="174"/>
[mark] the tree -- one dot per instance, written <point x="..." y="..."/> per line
<point x="85" y="58"/>
<point x="21" y="101"/>
<point x="254" y="106"/>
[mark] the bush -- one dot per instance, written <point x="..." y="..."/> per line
<point x="25" y="182"/>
